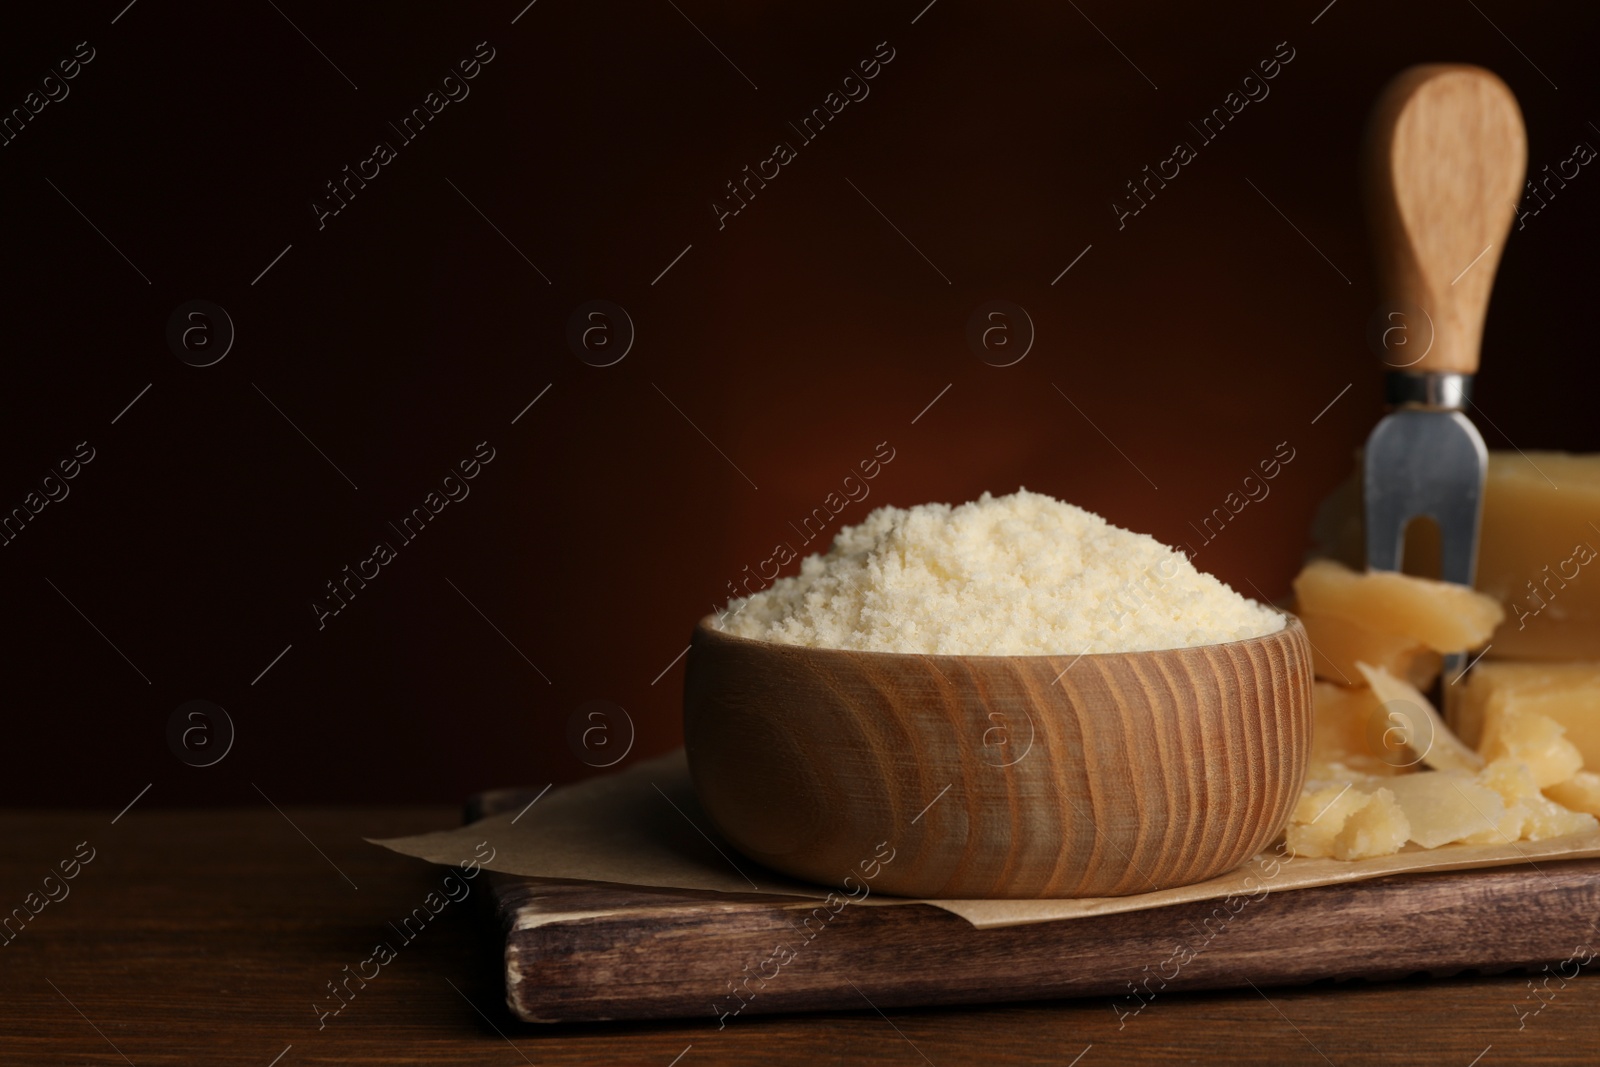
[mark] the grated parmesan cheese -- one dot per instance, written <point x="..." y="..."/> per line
<point x="1023" y="574"/>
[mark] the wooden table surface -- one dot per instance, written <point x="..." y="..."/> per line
<point x="209" y="937"/>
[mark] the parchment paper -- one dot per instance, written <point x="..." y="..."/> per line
<point x="643" y="827"/>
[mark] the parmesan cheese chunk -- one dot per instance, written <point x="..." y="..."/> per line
<point x="1568" y="693"/>
<point x="1352" y="731"/>
<point x="1347" y="822"/>
<point x="1417" y="723"/>
<point x="1444" y="807"/>
<point x="1581" y="792"/>
<point x="1339" y="644"/>
<point x="1535" y="740"/>
<point x="1442" y="615"/>
<point x="1538" y="554"/>
<point x="1365" y="798"/>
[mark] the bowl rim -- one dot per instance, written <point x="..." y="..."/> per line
<point x="707" y="626"/>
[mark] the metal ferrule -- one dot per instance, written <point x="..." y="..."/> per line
<point x="1439" y="392"/>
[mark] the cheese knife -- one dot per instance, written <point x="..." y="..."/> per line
<point x="1445" y="159"/>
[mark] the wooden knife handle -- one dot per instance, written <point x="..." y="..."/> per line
<point x="1444" y="163"/>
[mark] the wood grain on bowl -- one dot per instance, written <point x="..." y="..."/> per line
<point x="999" y="776"/>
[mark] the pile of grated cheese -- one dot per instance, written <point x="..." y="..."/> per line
<point x="1023" y="574"/>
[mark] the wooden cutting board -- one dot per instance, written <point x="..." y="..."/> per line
<point x="585" y="951"/>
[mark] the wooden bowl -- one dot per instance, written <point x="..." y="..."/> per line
<point x="999" y="776"/>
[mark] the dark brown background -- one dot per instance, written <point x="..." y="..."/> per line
<point x="797" y="338"/>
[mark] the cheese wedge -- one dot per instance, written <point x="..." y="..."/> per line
<point x="1538" y="553"/>
<point x="1417" y="726"/>
<point x="1538" y="550"/>
<point x="1568" y="693"/>
<point x="1535" y="740"/>
<point x="1337" y="645"/>
<point x="1362" y="816"/>
<point x="1581" y="792"/>
<point x="1347" y="822"/>
<point x="1389" y="620"/>
<point x="1348" y="732"/>
<point x="1441" y="615"/>
<point x="1443" y="807"/>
